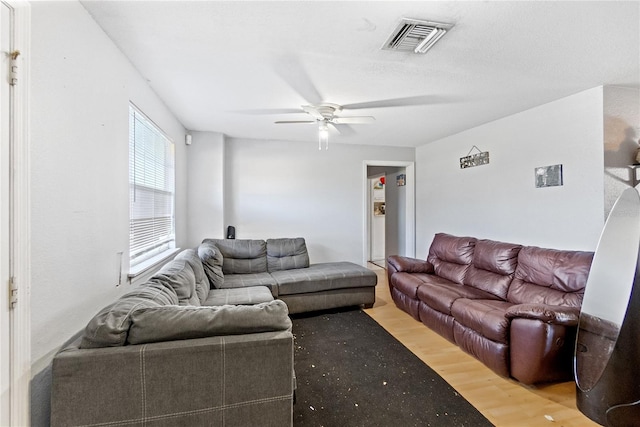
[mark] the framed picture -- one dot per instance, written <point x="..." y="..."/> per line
<point x="379" y="184"/>
<point x="401" y="180"/>
<point x="548" y="176"/>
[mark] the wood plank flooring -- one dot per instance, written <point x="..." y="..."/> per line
<point x="503" y="401"/>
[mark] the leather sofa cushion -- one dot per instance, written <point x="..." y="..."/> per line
<point x="212" y="260"/>
<point x="486" y="317"/>
<point x="286" y="254"/>
<point x="202" y="282"/>
<point x="179" y="275"/>
<point x="550" y="276"/>
<point x="407" y="283"/>
<point x="496" y="257"/>
<point x="451" y="256"/>
<point x="110" y="326"/>
<point x="242" y="256"/>
<point x="324" y="277"/>
<point x="493" y="266"/>
<point x="154" y="324"/>
<point x="440" y="295"/>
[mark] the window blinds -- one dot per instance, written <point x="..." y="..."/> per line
<point x="151" y="189"/>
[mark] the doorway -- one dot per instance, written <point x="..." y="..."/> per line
<point x="389" y="210"/>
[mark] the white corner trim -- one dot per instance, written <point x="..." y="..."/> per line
<point x="20" y="253"/>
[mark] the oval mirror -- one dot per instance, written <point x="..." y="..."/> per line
<point x="608" y="289"/>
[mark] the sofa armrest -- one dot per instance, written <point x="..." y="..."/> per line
<point x="555" y="314"/>
<point x="409" y="265"/>
<point x="182" y="382"/>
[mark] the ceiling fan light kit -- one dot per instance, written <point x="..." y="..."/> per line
<point x="323" y="135"/>
<point x="325" y="115"/>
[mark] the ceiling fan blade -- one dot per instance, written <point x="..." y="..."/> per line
<point x="291" y="70"/>
<point x="354" y="120"/>
<point x="313" y="111"/>
<point x="398" y="102"/>
<point x="342" y="129"/>
<point x="286" y="122"/>
<point x="334" y="127"/>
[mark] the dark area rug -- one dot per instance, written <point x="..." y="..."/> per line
<point x="352" y="372"/>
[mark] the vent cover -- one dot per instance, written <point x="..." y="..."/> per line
<point x="413" y="35"/>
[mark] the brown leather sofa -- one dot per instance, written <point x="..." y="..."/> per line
<point x="513" y="307"/>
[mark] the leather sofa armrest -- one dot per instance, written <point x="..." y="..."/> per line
<point x="409" y="265"/>
<point x="555" y="314"/>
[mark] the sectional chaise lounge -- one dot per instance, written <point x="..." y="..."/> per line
<point x="206" y="341"/>
<point x="513" y="307"/>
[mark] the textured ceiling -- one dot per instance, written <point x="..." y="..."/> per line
<point x="236" y="67"/>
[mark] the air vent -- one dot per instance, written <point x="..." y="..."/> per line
<point x="412" y="35"/>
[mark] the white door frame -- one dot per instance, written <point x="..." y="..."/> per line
<point x="20" y="218"/>
<point x="410" y="219"/>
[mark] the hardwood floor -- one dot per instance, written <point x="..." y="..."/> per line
<point x="503" y="401"/>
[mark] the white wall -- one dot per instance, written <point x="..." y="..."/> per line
<point x="621" y="136"/>
<point x="205" y="204"/>
<point x="81" y="88"/>
<point x="290" y="189"/>
<point x="499" y="200"/>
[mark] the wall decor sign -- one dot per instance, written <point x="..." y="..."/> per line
<point x="548" y="176"/>
<point x="401" y="180"/>
<point x="478" y="159"/>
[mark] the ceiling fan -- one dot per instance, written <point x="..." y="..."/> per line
<point x="325" y="115"/>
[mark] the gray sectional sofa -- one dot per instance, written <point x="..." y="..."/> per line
<point x="205" y="341"/>
<point x="283" y="266"/>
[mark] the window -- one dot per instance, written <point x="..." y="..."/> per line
<point x="151" y="189"/>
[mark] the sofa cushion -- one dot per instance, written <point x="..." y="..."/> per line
<point x="286" y="254"/>
<point x="202" y="282"/>
<point x="179" y="275"/>
<point x="440" y="294"/>
<point x="154" y="324"/>
<point x="242" y="256"/>
<point x="493" y="266"/>
<point x="212" y="260"/>
<point x="323" y="277"/>
<point x="238" y="296"/>
<point x="550" y="276"/>
<point x="451" y="256"/>
<point x="110" y="326"/>
<point x="486" y="317"/>
<point x="407" y="283"/>
<point x="248" y="280"/>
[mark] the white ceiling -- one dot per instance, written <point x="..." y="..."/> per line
<point x="236" y="67"/>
